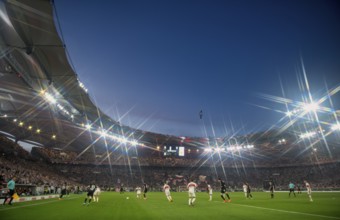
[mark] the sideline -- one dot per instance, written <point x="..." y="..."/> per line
<point x="8" y="207"/>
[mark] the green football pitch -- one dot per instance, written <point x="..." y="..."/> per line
<point x="113" y="205"/>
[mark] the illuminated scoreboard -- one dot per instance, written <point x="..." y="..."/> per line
<point x="177" y="151"/>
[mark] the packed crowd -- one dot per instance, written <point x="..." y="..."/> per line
<point x="50" y="168"/>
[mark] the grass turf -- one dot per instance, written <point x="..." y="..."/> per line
<point x="115" y="206"/>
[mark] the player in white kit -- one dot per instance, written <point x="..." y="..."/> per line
<point x="309" y="190"/>
<point x="139" y="192"/>
<point x="96" y="194"/>
<point x="245" y="189"/>
<point x="210" y="191"/>
<point x="166" y="189"/>
<point x="192" y="189"/>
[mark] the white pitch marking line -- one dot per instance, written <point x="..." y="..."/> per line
<point x="36" y="204"/>
<point x="292" y="212"/>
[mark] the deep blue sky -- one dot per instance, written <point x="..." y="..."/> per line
<point x="158" y="63"/>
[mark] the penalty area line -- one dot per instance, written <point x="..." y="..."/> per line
<point x="285" y="211"/>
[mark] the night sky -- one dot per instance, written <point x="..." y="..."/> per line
<point x="155" y="65"/>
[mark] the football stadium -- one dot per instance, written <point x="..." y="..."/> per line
<point x="63" y="155"/>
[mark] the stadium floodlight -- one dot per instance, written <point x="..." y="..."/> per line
<point x="336" y="127"/>
<point x="289" y="113"/>
<point x="60" y="107"/>
<point x="38" y="131"/>
<point x="88" y="126"/>
<point x="50" y="98"/>
<point x="308" y="135"/>
<point x="30" y="127"/>
<point x="81" y="85"/>
<point x="134" y="143"/>
<point x="309" y="107"/>
<point x="54" y="136"/>
<point x="208" y="149"/>
<point x="21" y="123"/>
<point x="122" y="140"/>
<point x="103" y="133"/>
<point x="15" y="120"/>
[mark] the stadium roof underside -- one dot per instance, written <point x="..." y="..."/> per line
<point x="34" y="65"/>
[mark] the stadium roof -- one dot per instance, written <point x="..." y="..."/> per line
<point x="41" y="96"/>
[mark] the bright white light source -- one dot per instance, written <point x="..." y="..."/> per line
<point x="336" y="127"/>
<point x="310" y="107"/>
<point x="218" y="149"/>
<point x="103" y="133"/>
<point x="88" y="126"/>
<point x="134" y="143"/>
<point x="50" y="98"/>
<point x="289" y="113"/>
<point x="123" y="140"/>
<point x="308" y="135"/>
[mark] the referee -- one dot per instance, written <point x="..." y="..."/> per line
<point x="11" y="188"/>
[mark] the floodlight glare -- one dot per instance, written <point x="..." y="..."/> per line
<point x="336" y="127"/>
<point x="308" y="107"/>
<point x="134" y="143"/>
<point x="103" y="133"/>
<point x="50" y="98"/>
<point x="289" y="113"/>
<point x="88" y="126"/>
<point x="207" y="149"/>
<point x="123" y="140"/>
<point x="307" y="135"/>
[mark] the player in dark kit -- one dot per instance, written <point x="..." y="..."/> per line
<point x="271" y="189"/>
<point x="90" y="192"/>
<point x="249" y="195"/>
<point x="298" y="189"/>
<point x="145" y="190"/>
<point x="121" y="190"/>
<point x="63" y="190"/>
<point x="224" y="191"/>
